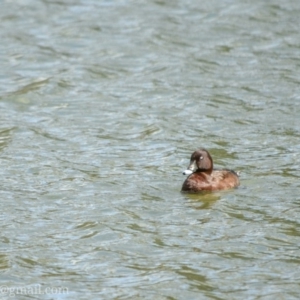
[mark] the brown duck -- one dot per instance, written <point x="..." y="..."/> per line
<point x="202" y="176"/>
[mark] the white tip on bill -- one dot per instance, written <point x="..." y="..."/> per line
<point x="187" y="172"/>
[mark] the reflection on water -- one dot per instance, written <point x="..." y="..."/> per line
<point x="204" y="200"/>
<point x="102" y="104"/>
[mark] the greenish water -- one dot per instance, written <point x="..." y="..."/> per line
<point x="102" y="104"/>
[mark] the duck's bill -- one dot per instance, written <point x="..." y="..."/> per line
<point x="187" y="172"/>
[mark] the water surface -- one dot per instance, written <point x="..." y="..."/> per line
<point x="102" y="104"/>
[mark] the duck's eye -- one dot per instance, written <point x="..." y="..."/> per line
<point x="201" y="157"/>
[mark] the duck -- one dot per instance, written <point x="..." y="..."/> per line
<point x="203" y="177"/>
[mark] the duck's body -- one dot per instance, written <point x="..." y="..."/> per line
<point x="204" y="178"/>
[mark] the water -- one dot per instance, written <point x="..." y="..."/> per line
<point x="102" y="104"/>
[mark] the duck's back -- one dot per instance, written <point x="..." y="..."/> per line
<point x="217" y="180"/>
<point x="224" y="179"/>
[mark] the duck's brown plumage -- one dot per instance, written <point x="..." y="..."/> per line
<point x="205" y="178"/>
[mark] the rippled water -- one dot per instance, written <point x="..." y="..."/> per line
<point x="102" y="104"/>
